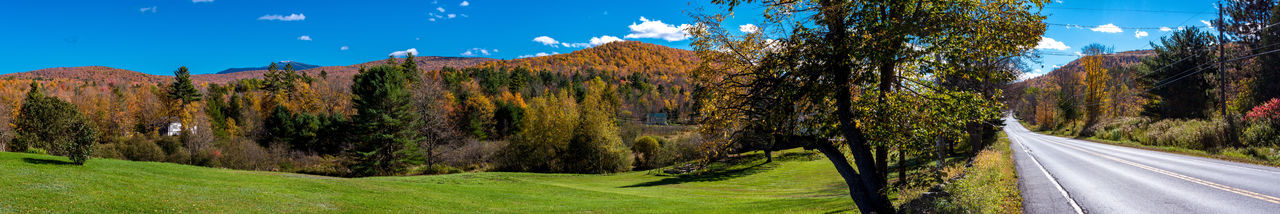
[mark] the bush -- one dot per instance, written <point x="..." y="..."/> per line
<point x="1190" y="134"/>
<point x="54" y="126"/>
<point x="1260" y="134"/>
<point x="139" y="149"/>
<point x="646" y="148"/>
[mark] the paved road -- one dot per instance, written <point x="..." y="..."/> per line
<point x="1061" y="175"/>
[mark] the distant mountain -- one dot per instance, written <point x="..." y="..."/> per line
<point x="1116" y="60"/>
<point x="296" y="66"/>
<point x="623" y="57"/>
<point x="425" y="63"/>
<point x="99" y="74"/>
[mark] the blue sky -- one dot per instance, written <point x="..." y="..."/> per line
<point x="208" y="36"/>
<point x="154" y="36"/>
<point x="1124" y="25"/>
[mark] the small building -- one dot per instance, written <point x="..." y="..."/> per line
<point x="175" y="129"/>
<point x="656" y="119"/>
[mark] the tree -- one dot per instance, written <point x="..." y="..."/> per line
<point x="182" y="89"/>
<point x="1096" y="78"/>
<point x="1177" y="77"/>
<point x="1246" y="19"/>
<point x="1265" y="86"/>
<point x="53" y="125"/>
<point x="431" y="102"/>
<point x="596" y="146"/>
<point x="385" y="140"/>
<point x="545" y="133"/>
<point x="823" y="56"/>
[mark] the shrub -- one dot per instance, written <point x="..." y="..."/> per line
<point x="646" y="148"/>
<point x="546" y="131"/>
<point x="55" y="126"/>
<point x="1267" y="111"/>
<point x="139" y="149"/>
<point x="1190" y="134"/>
<point x="1260" y="133"/>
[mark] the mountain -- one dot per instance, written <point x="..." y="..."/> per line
<point x="99" y="74"/>
<point x="1115" y="60"/>
<point x="296" y="66"/>
<point x="425" y="63"/>
<point x="624" y="57"/>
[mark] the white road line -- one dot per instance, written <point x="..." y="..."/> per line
<point x="1051" y="179"/>
<point x="1165" y="155"/>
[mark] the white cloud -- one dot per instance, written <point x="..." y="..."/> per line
<point x="1182" y="28"/>
<point x="1207" y="23"/>
<point x="748" y="28"/>
<point x="441" y="9"/>
<point x="546" y="40"/>
<point x="452" y="15"/>
<point x="290" y="17"/>
<point x="477" y="51"/>
<point x="304" y="38"/>
<point x="596" y="41"/>
<point x="431" y="19"/>
<point x="344" y="47"/>
<point x="657" y="30"/>
<point x="1139" y="34"/>
<point x="1057" y="66"/>
<point x="1030" y="75"/>
<point x="1107" y="28"/>
<point x="1050" y="43"/>
<point x="538" y="54"/>
<point x="403" y="53"/>
<point x="198" y="1"/>
<point x="1165" y="29"/>
<point x="151" y="9"/>
<point x="464" y="4"/>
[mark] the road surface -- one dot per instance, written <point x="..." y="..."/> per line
<point x="1062" y="175"/>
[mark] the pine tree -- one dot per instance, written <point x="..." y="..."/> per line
<point x="385" y="143"/>
<point x="182" y="89"/>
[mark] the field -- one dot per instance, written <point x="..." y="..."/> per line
<point x="795" y="182"/>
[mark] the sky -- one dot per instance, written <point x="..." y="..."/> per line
<point x="1123" y="25"/>
<point x="207" y="36"/>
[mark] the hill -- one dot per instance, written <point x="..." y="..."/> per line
<point x="797" y="182"/>
<point x="296" y="65"/>
<point x="99" y="74"/>
<point x="1074" y="67"/>
<point x="624" y="57"/>
<point x="425" y="63"/>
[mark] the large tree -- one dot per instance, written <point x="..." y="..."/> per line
<point x="53" y="125"/>
<point x="820" y="59"/>
<point x="384" y="125"/>
<point x="1265" y="85"/>
<point x="1177" y="77"/>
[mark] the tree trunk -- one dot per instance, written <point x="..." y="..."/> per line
<point x="851" y="177"/>
<point x="882" y="162"/>
<point x="902" y="165"/>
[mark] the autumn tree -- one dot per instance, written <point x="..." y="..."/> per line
<point x="385" y="142"/>
<point x="1177" y="77"/>
<point x="826" y="57"/>
<point x="1095" y="82"/>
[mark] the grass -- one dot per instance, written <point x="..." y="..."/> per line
<point x="42" y="183"/>
<point x="989" y="185"/>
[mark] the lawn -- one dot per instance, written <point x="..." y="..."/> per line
<point x="795" y="183"/>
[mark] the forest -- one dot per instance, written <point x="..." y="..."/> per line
<point x="392" y="118"/>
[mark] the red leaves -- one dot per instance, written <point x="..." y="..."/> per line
<point x="1267" y="111"/>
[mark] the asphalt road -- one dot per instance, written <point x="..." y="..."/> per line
<point x="1061" y="175"/>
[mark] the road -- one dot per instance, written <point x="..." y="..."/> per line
<point x="1062" y="175"/>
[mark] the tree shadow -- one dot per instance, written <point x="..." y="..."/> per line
<point x="717" y="175"/>
<point x="46" y="161"/>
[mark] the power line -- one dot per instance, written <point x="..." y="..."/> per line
<point x="1124" y="10"/>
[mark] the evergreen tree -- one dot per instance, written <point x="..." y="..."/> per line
<point x="182" y="89"/>
<point x="53" y="125"/>
<point x="384" y="140"/>
<point x="1183" y="51"/>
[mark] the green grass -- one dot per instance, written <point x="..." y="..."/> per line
<point x="989" y="185"/>
<point x="42" y="183"/>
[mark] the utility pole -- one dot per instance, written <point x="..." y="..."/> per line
<point x="1222" y="78"/>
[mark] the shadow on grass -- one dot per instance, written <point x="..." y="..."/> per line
<point x="717" y="175"/>
<point x="46" y="161"/>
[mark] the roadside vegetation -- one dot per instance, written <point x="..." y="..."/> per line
<point x="987" y="183"/>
